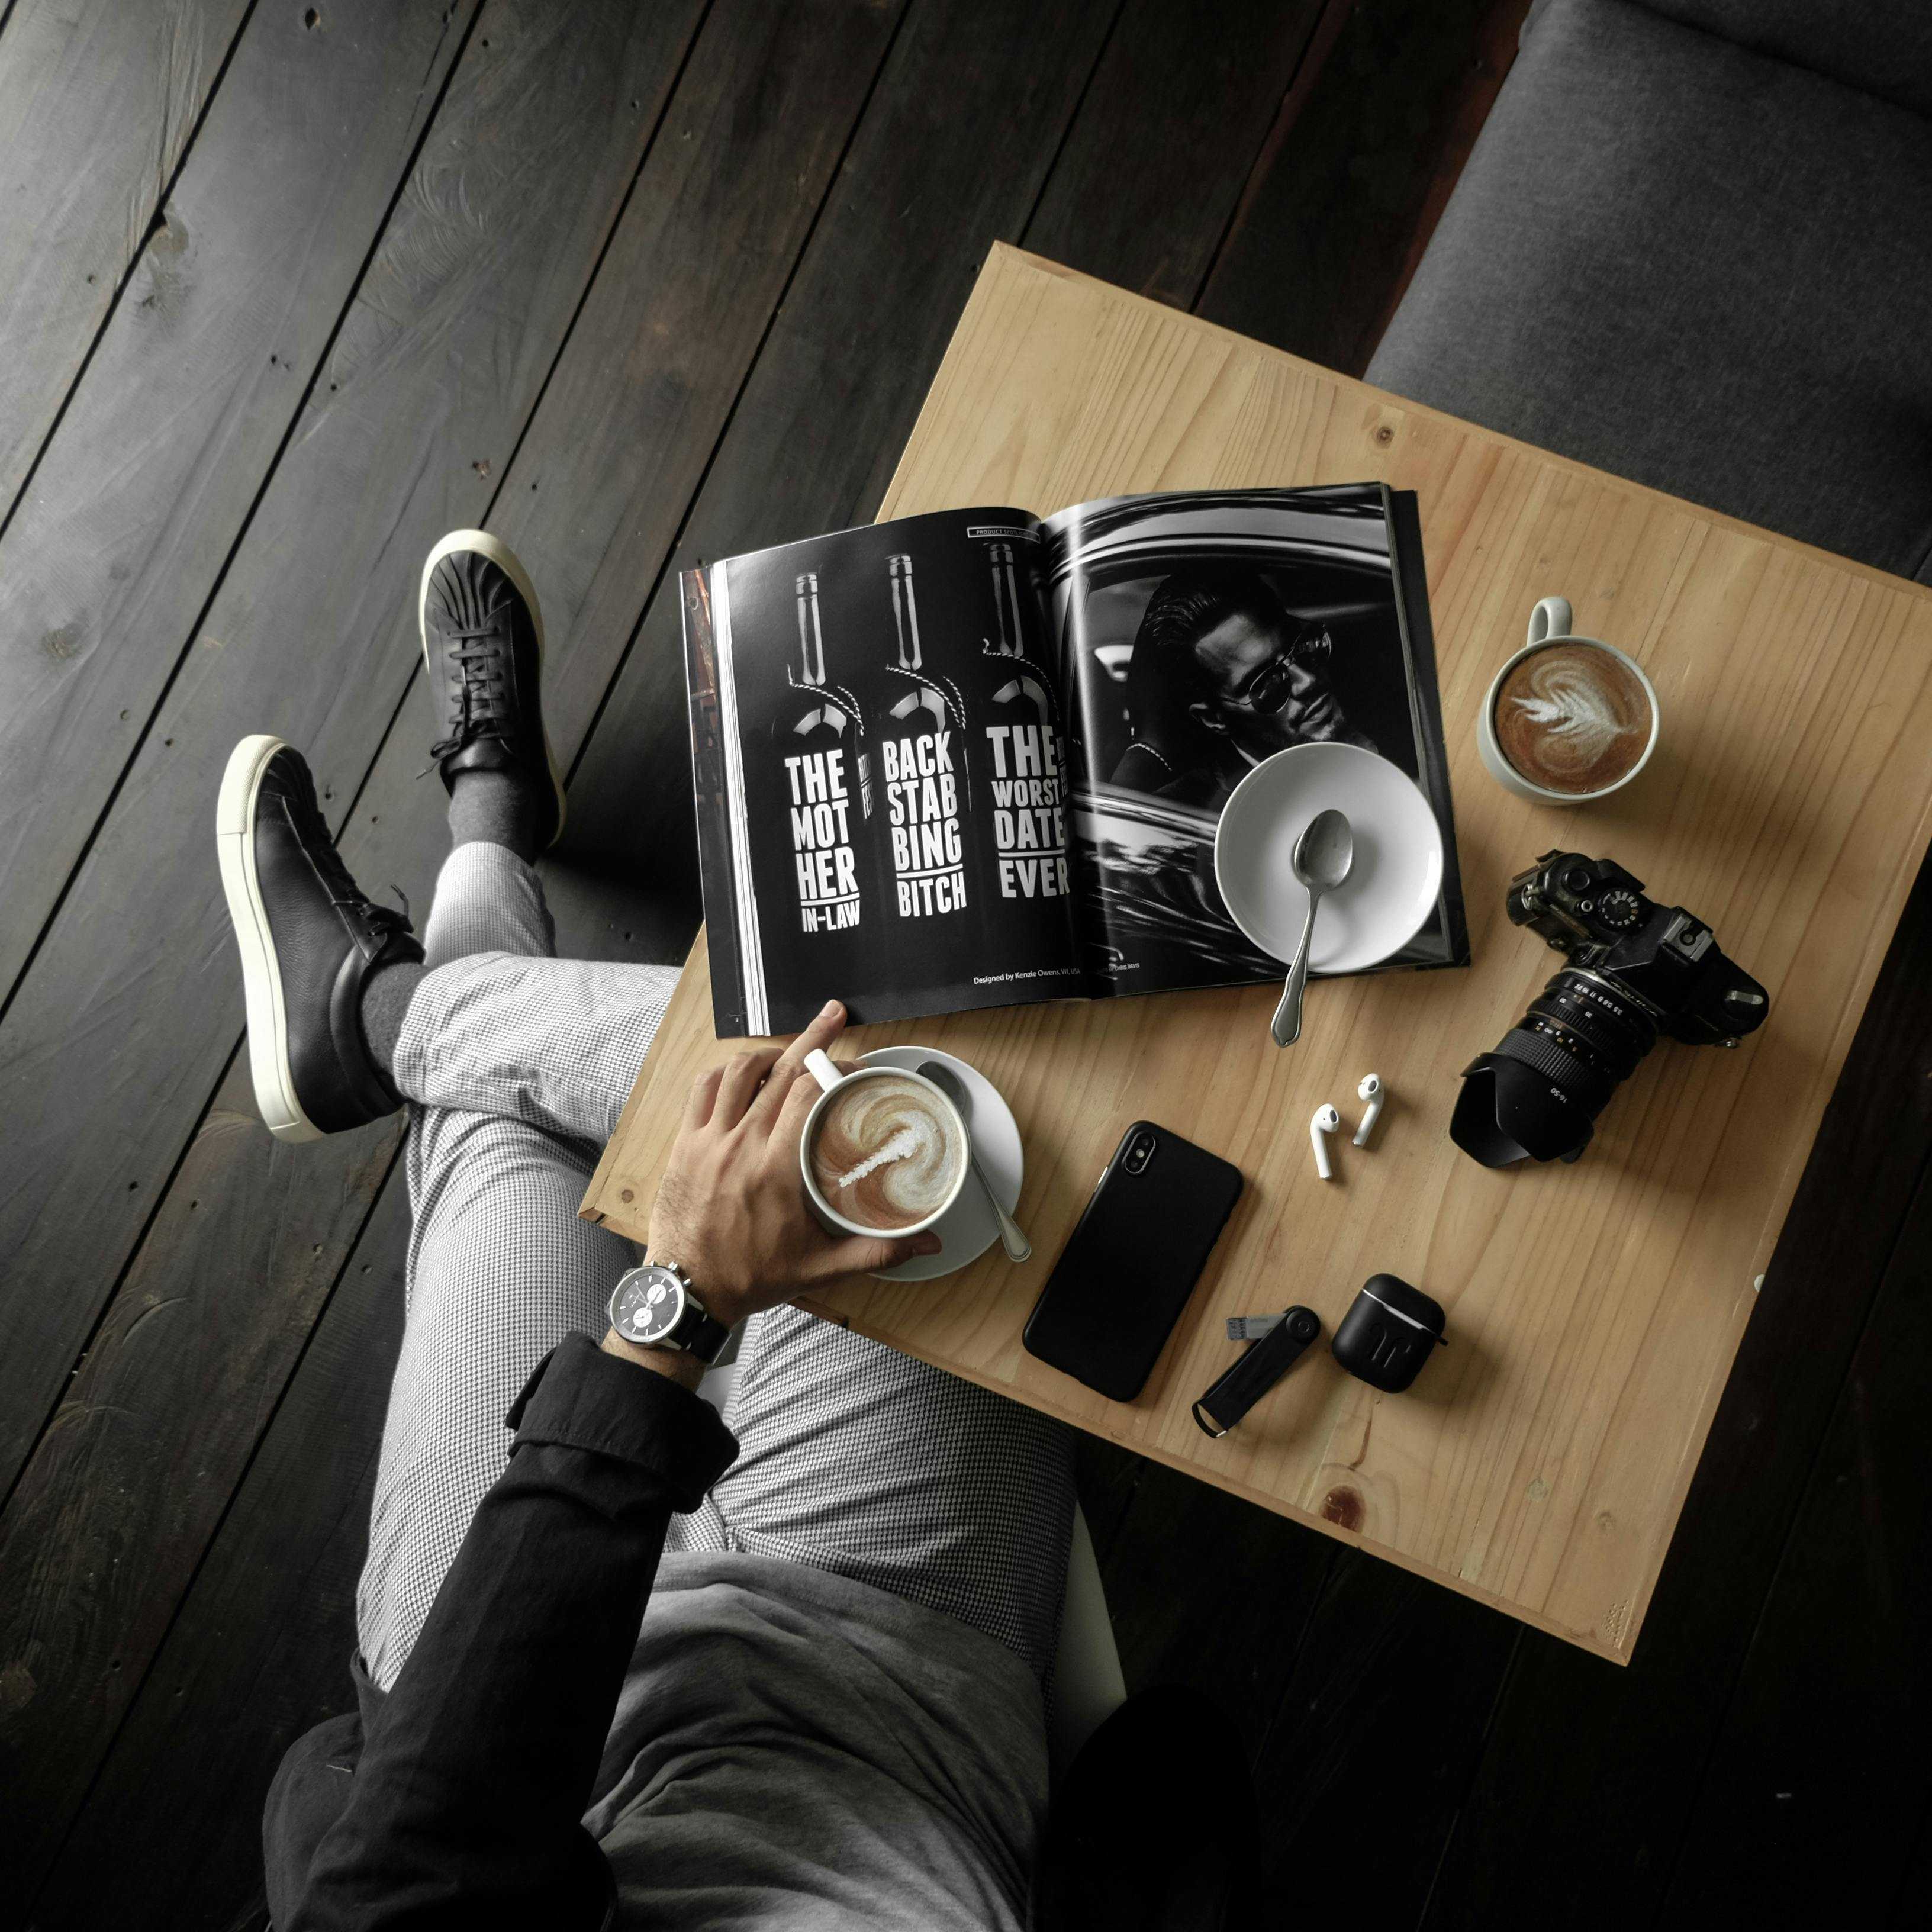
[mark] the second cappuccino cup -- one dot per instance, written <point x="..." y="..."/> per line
<point x="1568" y="719"/>
<point x="882" y="1151"/>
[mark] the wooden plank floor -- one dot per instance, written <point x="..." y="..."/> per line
<point x="286" y="291"/>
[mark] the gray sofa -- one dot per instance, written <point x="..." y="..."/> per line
<point x="1693" y="246"/>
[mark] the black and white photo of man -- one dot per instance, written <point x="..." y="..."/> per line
<point x="1222" y="675"/>
<point x="1203" y="632"/>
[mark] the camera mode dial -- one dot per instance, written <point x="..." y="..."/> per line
<point x="1619" y="908"/>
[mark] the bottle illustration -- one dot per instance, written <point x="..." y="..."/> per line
<point x="1009" y="637"/>
<point x="828" y="780"/>
<point x="922" y="767"/>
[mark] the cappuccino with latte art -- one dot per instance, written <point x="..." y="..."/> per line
<point x="886" y="1152"/>
<point x="1571" y="718"/>
<point x="1568" y="719"/>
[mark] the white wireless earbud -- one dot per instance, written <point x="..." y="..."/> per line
<point x="1371" y="1090"/>
<point x="1325" y="1122"/>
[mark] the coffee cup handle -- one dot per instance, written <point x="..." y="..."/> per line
<point x="1550" y="618"/>
<point x="818" y="1064"/>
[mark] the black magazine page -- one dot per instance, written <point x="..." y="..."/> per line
<point x="1170" y="610"/>
<point x="876" y="748"/>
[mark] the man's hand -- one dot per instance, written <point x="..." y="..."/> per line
<point x="731" y="1210"/>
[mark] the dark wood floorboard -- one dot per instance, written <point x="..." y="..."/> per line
<point x="171" y="1837"/>
<point x="428" y="315"/>
<point x="196" y="382"/>
<point x="98" y="101"/>
<point x="1383" y="1716"/>
<point x="664" y="284"/>
<point x="121" y="1030"/>
<point x="1204" y="1591"/>
<point x="1823" y="1742"/>
<point x="1354" y="171"/>
<point x="1173" y="122"/>
<point x="125" y="1491"/>
<point x="1907" y="1907"/>
<point x="133" y="514"/>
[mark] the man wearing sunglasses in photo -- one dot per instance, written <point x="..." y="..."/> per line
<point x="1222" y="675"/>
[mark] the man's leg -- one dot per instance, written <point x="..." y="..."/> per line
<point x="856" y="1458"/>
<point x="494" y="1024"/>
<point x="516" y="1064"/>
<point x="500" y="1269"/>
<point x="347" y="1018"/>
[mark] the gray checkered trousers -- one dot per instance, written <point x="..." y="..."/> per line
<point x="853" y="1458"/>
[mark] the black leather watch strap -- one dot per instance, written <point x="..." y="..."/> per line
<point x="697" y="1334"/>
<point x="1257" y="1371"/>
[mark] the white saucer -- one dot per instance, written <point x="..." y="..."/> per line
<point x="1392" y="887"/>
<point x="967" y="1228"/>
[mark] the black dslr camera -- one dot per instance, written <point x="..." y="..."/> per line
<point x="1637" y="969"/>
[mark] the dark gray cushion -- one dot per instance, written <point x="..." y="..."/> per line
<point x="1882" y="47"/>
<point x="1700" y="267"/>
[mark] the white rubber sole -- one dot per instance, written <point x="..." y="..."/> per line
<point x="506" y="559"/>
<point x="261" y="974"/>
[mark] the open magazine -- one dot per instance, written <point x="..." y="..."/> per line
<point x="977" y="759"/>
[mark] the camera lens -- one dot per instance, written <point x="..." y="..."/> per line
<point x="1594" y="1021"/>
<point x="1538" y="1093"/>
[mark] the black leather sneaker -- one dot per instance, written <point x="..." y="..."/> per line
<point x="309" y="940"/>
<point x="482" y="639"/>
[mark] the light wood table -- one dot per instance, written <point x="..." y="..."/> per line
<point x="1540" y="1462"/>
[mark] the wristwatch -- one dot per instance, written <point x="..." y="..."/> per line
<point x="654" y="1307"/>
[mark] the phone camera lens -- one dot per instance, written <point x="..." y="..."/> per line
<point x="1139" y="1153"/>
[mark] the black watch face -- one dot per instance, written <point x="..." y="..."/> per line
<point x="648" y="1305"/>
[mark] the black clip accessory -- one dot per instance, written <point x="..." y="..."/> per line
<point x="1252" y="1327"/>
<point x="1283" y="1337"/>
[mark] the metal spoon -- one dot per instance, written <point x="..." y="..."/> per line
<point x="1323" y="855"/>
<point x="1018" y="1247"/>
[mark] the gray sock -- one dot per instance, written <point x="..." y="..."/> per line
<point x="494" y="808"/>
<point x="386" y="994"/>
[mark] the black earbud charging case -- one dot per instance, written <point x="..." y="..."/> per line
<point x="1389" y="1331"/>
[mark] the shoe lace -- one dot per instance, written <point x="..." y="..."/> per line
<point x="481" y="664"/>
<point x="345" y="893"/>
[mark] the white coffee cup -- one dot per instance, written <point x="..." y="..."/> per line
<point x="1549" y="624"/>
<point x="833" y="1079"/>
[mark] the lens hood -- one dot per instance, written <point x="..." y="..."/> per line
<point x="1510" y="1111"/>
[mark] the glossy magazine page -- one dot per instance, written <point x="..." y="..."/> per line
<point x="1199" y="632"/>
<point x="877" y="749"/>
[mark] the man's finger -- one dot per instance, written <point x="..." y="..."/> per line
<point x="703" y="1097"/>
<point x="867" y="1254"/>
<point x="795" y="1104"/>
<point x="742" y="1073"/>
<point x="825" y="1026"/>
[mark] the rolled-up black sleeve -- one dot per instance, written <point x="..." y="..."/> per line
<point x="463" y="1805"/>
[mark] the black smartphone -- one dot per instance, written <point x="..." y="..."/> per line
<point x="1126" y="1273"/>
